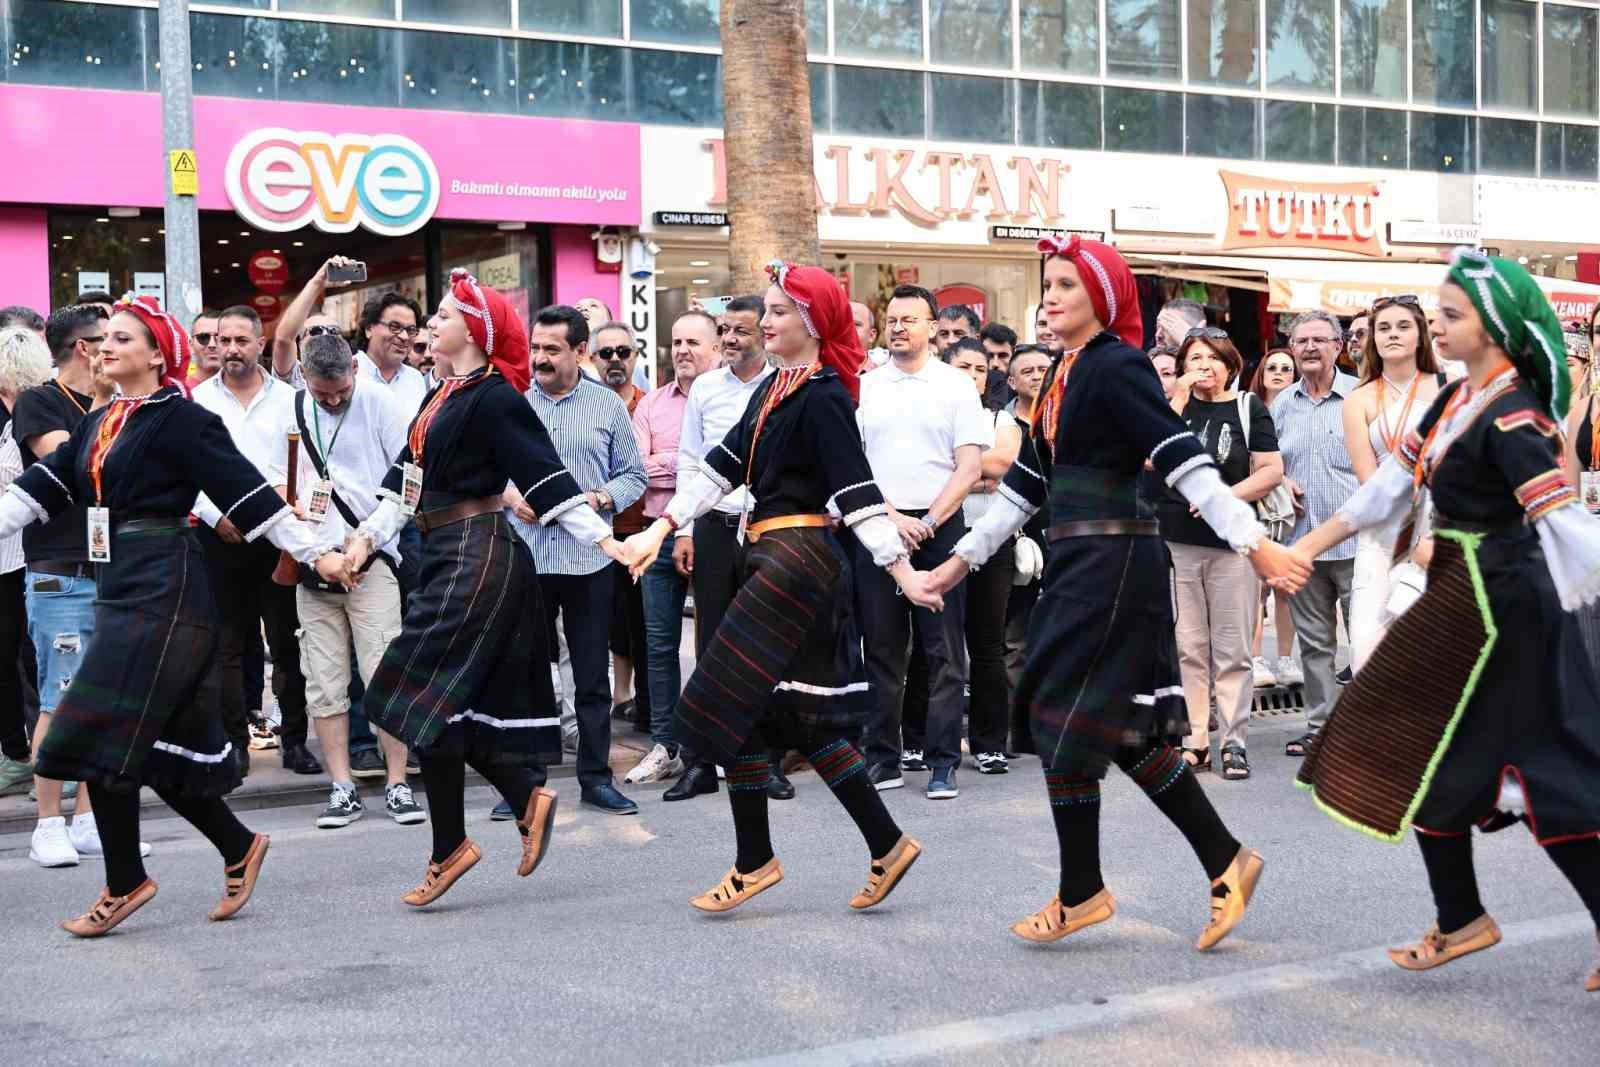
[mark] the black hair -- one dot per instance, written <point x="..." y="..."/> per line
<point x="916" y="292"/>
<point x="966" y="344"/>
<point x="372" y="311"/>
<point x="571" y="317"/>
<point x="205" y="313"/>
<point x="22" y="315"/>
<point x="65" y="326"/>
<point x="747" y="303"/>
<point x="241" y="311"/>
<point x="96" y="296"/>
<point x="963" y="312"/>
<point x="1000" y="334"/>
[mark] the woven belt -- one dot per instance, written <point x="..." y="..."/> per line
<point x="786" y="522"/>
<point x="1103" y="528"/>
<point x="428" y="521"/>
<point x="61" y="569"/>
<point x="158" y="522"/>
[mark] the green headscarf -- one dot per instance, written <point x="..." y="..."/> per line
<point x="1519" y="320"/>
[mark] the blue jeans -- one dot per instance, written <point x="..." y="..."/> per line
<point x="664" y="592"/>
<point x="61" y="624"/>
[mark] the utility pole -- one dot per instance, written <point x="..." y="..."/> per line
<point x="177" y="131"/>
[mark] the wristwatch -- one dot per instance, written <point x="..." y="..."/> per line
<point x="606" y="503"/>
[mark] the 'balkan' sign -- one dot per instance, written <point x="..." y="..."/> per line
<point x="281" y="180"/>
<point x="1326" y="216"/>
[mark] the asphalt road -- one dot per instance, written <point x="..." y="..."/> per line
<point x="598" y="958"/>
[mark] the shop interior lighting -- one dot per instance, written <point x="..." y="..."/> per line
<point x="244" y="233"/>
<point x="699" y="281"/>
<point x="102" y="219"/>
<point x="298" y="244"/>
<point x="67" y="237"/>
<point x="222" y="240"/>
<point x="144" y="240"/>
<point x="1522" y="260"/>
<point x="699" y="263"/>
<point x="235" y="265"/>
<point x="1571" y="259"/>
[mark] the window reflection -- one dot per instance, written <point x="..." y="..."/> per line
<point x="1372" y="137"/>
<point x="1299" y="132"/>
<point x="1221" y="126"/>
<point x="562" y="79"/>
<point x="596" y="18"/>
<point x="459" y="12"/>
<point x="330" y="61"/>
<point x="96" y="46"/>
<point x="1442" y="46"/>
<point x="1507" y="146"/>
<point x="1061" y="35"/>
<point x="1059" y="114"/>
<point x="677" y="88"/>
<point x="1224" y="38"/>
<point x="1441" y="142"/>
<point x="1569" y="50"/>
<point x="871" y="101"/>
<point x="817" y="26"/>
<point x="675" y="21"/>
<point x="1142" y="39"/>
<point x="821" y="113"/>
<point x="1372" y="48"/>
<point x="1569" y="151"/>
<point x="1510" y="30"/>
<point x="366" y="9"/>
<point x="970" y="108"/>
<point x="1142" y="120"/>
<point x="457" y="73"/>
<point x="970" y="33"/>
<point x="232" y="56"/>
<point x="1300" y="45"/>
<point x="891" y="28"/>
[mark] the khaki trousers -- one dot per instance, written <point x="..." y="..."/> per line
<point x="1217" y="593"/>
<point x="367" y="617"/>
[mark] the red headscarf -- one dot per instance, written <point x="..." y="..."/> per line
<point x="493" y="326"/>
<point x="825" y="310"/>
<point x="1112" y="290"/>
<point x="171" y="338"/>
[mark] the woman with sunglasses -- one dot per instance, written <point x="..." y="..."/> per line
<point x="1399" y="379"/>
<point x="1275" y="373"/>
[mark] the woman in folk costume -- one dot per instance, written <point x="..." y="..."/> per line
<point x="1100" y="681"/>
<point x="142" y="709"/>
<point x="467" y="681"/>
<point x="1479" y="704"/>
<point x="782" y="671"/>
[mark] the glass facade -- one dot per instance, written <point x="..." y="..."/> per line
<point x="1455" y="86"/>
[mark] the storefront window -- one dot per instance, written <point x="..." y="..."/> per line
<point x="1059" y="114"/>
<point x="969" y="108"/>
<point x="1061" y="36"/>
<point x="821" y="113"/>
<point x="566" y="80"/>
<point x="1221" y="126"/>
<point x="1372" y="137"/>
<point x="331" y="61"/>
<point x="1300" y="45"/>
<point x="1569" y="51"/>
<point x="96" y="46"/>
<point x="675" y="21"/>
<point x="1442" y="52"/>
<point x="1224" y="40"/>
<point x="1441" y="142"/>
<point x="1372" y="59"/>
<point x="1568" y="151"/>
<point x="1507" y="146"/>
<point x="1141" y="120"/>
<point x="596" y="18"/>
<point x="816" y="26"/>
<point x="888" y="28"/>
<point x="458" y="72"/>
<point x="677" y="88"/>
<point x="365" y="9"/>
<point x="970" y="33"/>
<point x="1143" y="39"/>
<point x="459" y="12"/>
<point x="232" y="56"/>
<point x="501" y="259"/>
<point x="1510" y="38"/>
<point x="1298" y="132"/>
<point x="882" y="102"/>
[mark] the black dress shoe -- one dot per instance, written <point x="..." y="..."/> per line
<point x="299" y="760"/>
<point x="699" y="778"/>
<point x="778" y="786"/>
<point x="609" y="799"/>
<point x="623" y="710"/>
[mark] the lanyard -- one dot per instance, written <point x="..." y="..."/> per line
<point x="111" y="428"/>
<point x="75" y="401"/>
<point x="1392" y="439"/>
<point x="1594" y="438"/>
<point x="316" y="428"/>
<point x="1463" y="395"/>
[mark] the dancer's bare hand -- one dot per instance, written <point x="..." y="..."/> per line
<point x="1282" y="568"/>
<point x="334" y="567"/>
<point x="640" y="550"/>
<point x="357" y="550"/>
<point x="947" y="575"/>
<point x="918" y="590"/>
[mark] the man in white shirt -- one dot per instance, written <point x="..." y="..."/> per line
<point x="255" y="407"/>
<point x="925" y="434"/>
<point x="351" y="431"/>
<point x="390" y="322"/>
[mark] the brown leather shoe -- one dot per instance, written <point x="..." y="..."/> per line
<point x="885" y="873"/>
<point x="736" y="888"/>
<point x="240" y="880"/>
<point x="108" y="911"/>
<point x="1436" y="949"/>
<point x="536" y="824"/>
<point x="1055" y="921"/>
<point x="1227" y="910"/>
<point x="441" y="876"/>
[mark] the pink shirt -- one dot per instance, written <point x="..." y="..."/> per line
<point x="657" y="424"/>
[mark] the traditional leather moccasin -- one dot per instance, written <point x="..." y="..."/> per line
<point x="1227" y="910"/>
<point x="885" y="873"/>
<point x="736" y="888"/>
<point x="240" y="880"/>
<point x="441" y="876"/>
<point x="1436" y="949"/>
<point x="536" y="824"/>
<point x="108" y="911"/>
<point x="1055" y="920"/>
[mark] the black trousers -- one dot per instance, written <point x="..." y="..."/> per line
<point x="584" y="603"/>
<point x="1019" y="612"/>
<point x="247" y="598"/>
<point x="889" y="623"/>
<point x="988" y="596"/>
<point x="627" y="636"/>
<point x="16" y="676"/>
<point x="718" y="573"/>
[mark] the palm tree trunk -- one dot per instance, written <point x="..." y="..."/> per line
<point x="772" y="205"/>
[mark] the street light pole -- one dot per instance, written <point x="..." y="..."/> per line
<point x="177" y="129"/>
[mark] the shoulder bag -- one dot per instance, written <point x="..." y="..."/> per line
<point x="1276" y="509"/>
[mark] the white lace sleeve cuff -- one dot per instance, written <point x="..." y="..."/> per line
<point x="1381" y="499"/>
<point x="880" y="536"/>
<point x="584" y="524"/>
<point x="997" y="526"/>
<point x="295" y="538"/>
<point x="695" y="499"/>
<point x="1570" y="537"/>
<point x="385" y="522"/>
<point x="16" y="512"/>
<point x="1229" y="517"/>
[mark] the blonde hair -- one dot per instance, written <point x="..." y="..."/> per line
<point x="24" y="360"/>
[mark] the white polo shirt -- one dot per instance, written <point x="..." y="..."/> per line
<point x="253" y="427"/>
<point x="409" y="385"/>
<point x="912" y="424"/>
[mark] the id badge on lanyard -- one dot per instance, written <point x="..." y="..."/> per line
<point x="319" y="503"/>
<point x="1589" y="491"/>
<point x="99" y="535"/>
<point x="410" y="488"/>
<point x="744" y="520"/>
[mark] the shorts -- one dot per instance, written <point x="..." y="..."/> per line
<point x="61" y="624"/>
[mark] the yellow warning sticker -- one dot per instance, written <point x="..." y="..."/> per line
<point x="185" y="176"/>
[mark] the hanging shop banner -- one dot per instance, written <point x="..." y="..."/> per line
<point x="268" y="271"/>
<point x="1325" y="216"/>
<point x="961" y="293"/>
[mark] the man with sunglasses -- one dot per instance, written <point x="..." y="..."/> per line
<point x="302" y="320"/>
<point x="207" y="352"/>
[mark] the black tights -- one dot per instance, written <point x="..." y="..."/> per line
<point x="445" y="777"/>
<point x="116" y="815"/>
<point x="1167" y="780"/>
<point x="838" y="763"/>
<point x="1454" y="882"/>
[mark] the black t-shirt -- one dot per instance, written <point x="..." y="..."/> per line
<point x="1217" y="426"/>
<point x="41" y="410"/>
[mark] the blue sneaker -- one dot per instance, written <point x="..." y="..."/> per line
<point x="502" y="813"/>
<point x="942" y="786"/>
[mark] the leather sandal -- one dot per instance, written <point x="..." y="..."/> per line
<point x="1436" y="949"/>
<point x="441" y="876"/>
<point x="108" y="911"/>
<point x="886" y="872"/>
<point x="535" y="825"/>
<point x="240" y="880"/>
<point x="1055" y="920"/>
<point x="1227" y="910"/>
<point x="736" y="888"/>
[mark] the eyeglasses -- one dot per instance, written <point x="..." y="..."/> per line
<point x="320" y="330"/>
<point x="907" y="323"/>
<point x="202" y="339"/>
<point x="1313" y="342"/>
<point x="400" y="328"/>
<point x="1216" y="332"/>
<point x="1277" y="368"/>
<point x="1404" y="299"/>
<point x="617" y="353"/>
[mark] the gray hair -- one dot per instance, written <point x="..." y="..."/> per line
<point x="1317" y="315"/>
<point x="1191" y="310"/>
<point x="24" y="360"/>
<point x="326" y="356"/>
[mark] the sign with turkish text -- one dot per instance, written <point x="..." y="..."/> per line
<point x="280" y="180"/>
<point x="975" y="298"/>
<point x="268" y="271"/>
<point x="690" y="218"/>
<point x="1324" y="216"/>
<point x="1033" y="233"/>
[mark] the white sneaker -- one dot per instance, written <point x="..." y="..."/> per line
<point x="1265" y="677"/>
<point x="656" y="766"/>
<point x="1289" y="672"/>
<point x="85" y="835"/>
<point x="51" y="846"/>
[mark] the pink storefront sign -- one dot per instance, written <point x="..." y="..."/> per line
<point x="283" y="166"/>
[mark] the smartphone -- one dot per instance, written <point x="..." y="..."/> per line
<point x="715" y="305"/>
<point x="354" y="272"/>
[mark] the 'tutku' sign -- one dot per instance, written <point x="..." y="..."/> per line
<point x="1327" y="216"/>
